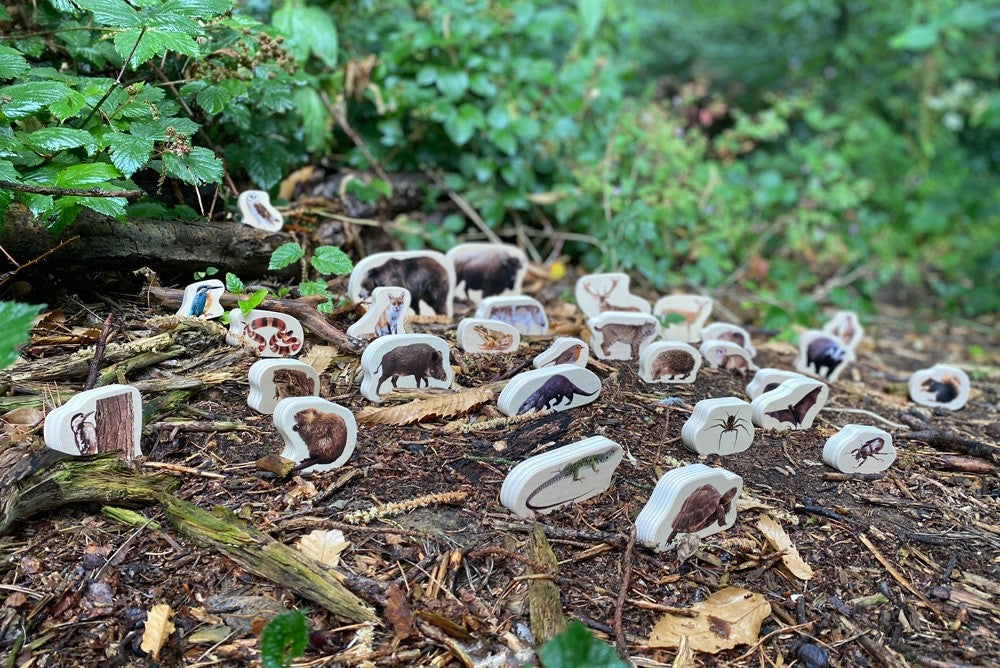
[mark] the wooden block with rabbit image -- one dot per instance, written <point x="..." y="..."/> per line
<point x="405" y="361"/>
<point x="822" y="355"/>
<point x="941" y="386"/>
<point x="669" y="362"/>
<point x="597" y="293"/>
<point x="319" y="434"/>
<point x="257" y="211"/>
<point x="555" y="388"/>
<point x="860" y="449"/>
<point x="794" y="404"/>
<point x="429" y="277"/>
<point x="105" y="419"/>
<point x="479" y="335"/>
<point x="719" y="426"/>
<point x="682" y="316"/>
<point x="727" y="356"/>
<point x="386" y="314"/>
<point x="564" y="350"/>
<point x="202" y="300"/>
<point x="767" y="379"/>
<point x="524" y="313"/>
<point x="616" y="335"/>
<point x="268" y="333"/>
<point x="272" y="380"/>
<point x="725" y="331"/>
<point x="487" y="270"/>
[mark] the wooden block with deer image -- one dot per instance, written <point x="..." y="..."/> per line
<point x="597" y="293"/>
<point x="617" y="335"/>
<point x="682" y="316"/>
<point x="386" y="314"/>
<point x="105" y="419"/>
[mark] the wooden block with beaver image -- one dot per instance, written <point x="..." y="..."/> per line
<point x="319" y="434"/>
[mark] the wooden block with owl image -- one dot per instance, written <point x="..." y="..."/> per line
<point x="319" y="434"/>
<point x="202" y="300"/>
<point x="272" y="380"/>
<point x="105" y="419"/>
<point x="257" y="211"/>
<point x="386" y="314"/>
<point x="268" y="333"/>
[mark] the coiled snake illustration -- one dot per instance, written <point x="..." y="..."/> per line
<point x="282" y="341"/>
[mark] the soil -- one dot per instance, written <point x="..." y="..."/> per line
<point x="906" y="562"/>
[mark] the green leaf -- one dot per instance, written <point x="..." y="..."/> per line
<point x="144" y="43"/>
<point x="463" y="124"/>
<point x="915" y="38"/>
<point x="452" y="84"/>
<point x="86" y="175"/>
<point x="50" y="140"/>
<point x="15" y="325"/>
<point x="331" y="260"/>
<point x="253" y="301"/>
<point x="307" y="29"/>
<point x="283" y="639"/>
<point x="128" y="153"/>
<point x="116" y="13"/>
<point x="284" y="255"/>
<point x="68" y="105"/>
<point x="314" y="118"/>
<point x="307" y="288"/>
<point x="27" y="98"/>
<point x="234" y="284"/>
<point x="12" y="63"/>
<point x="575" y="647"/>
<point x="197" y="167"/>
<point x="591" y="13"/>
<point x="971" y="16"/>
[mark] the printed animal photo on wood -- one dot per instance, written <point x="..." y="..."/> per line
<point x="257" y="211"/>
<point x="386" y="314"/>
<point x="487" y="270"/>
<point x="319" y="435"/>
<point x="860" y="449"/>
<point x="724" y="331"/>
<point x="272" y="380"/>
<point x="564" y="350"/>
<point x="669" y="362"/>
<point x="429" y="276"/>
<point x="940" y="386"/>
<point x="794" y="404"/>
<point x="719" y="426"/>
<point x="550" y="388"/>
<point x="408" y="361"/>
<point x="622" y="336"/>
<point x="597" y="293"/>
<point x="525" y="314"/>
<point x="105" y="419"/>
<point x="268" y="333"/>
<point x="201" y="300"/>
<point x="479" y="335"/>
<point x="845" y="326"/>
<point x="727" y="356"/>
<point x="822" y="355"/>
<point x="682" y="316"/>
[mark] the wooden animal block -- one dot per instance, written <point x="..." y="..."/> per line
<point x="559" y="477"/>
<point x="597" y="293"/>
<point x="202" y="300"/>
<point x="487" y="270"/>
<point x="728" y="356"/>
<point x="725" y="331"/>
<point x="405" y="361"/>
<point x="822" y="355"/>
<point x="255" y="207"/>
<point x="682" y="316"/>
<point x="319" y="434"/>
<point x="693" y="500"/>
<point x="720" y="426"/>
<point x="846" y="327"/>
<point x="386" y="314"/>
<point x="524" y="313"/>
<point x="792" y="405"/>
<point x="860" y="449"/>
<point x="479" y="335"/>
<point x="105" y="419"/>
<point x="557" y="388"/>
<point x="941" y="386"/>
<point x="564" y="350"/>
<point x="272" y="380"/>
<point x="669" y="362"/>
<point x="269" y="333"/>
<point x="428" y="275"/>
<point x="766" y="380"/>
<point x="622" y="336"/>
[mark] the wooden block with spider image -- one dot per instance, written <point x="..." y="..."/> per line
<point x="201" y="300"/>
<point x="555" y="388"/>
<point x="525" y="313"/>
<point x="272" y="380"/>
<point x="941" y="386"/>
<point x="568" y="474"/>
<point x="479" y="335"/>
<point x="669" y="362"/>
<point x="105" y="419"/>
<point x="256" y="211"/>
<point x="727" y="356"/>
<point x="597" y="293"/>
<point x="822" y="355"/>
<point x="386" y="314"/>
<point x="688" y="503"/>
<point x="405" y="361"/>
<point x="564" y="350"/>
<point x="846" y="327"/>
<point x="487" y="270"/>
<point x="268" y="333"/>
<point x="860" y="449"/>
<point x="622" y="336"/>
<point x="319" y="434"/>
<point x="429" y="276"/>
<point x="726" y="331"/>
<point x="719" y="426"/>
<point x="792" y="405"/>
<point x="767" y="379"/>
<point x="682" y="316"/>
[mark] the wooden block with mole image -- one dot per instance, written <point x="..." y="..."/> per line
<point x="428" y="275"/>
<point x="941" y="386"/>
<point x="479" y="335"/>
<point x="685" y="316"/>
<point x="693" y="500"/>
<point x="386" y="314"/>
<point x="564" y="350"/>
<point x="860" y="449"/>
<point x="269" y="333"/>
<point x="559" y="477"/>
<point x="257" y="211"/>
<point x="792" y="405"/>
<point x="319" y="434"/>
<point x="557" y="388"/>
<point x="622" y="336"/>
<point x="767" y="379"/>
<point x="524" y="313"/>
<point x="105" y="419"/>
<point x="405" y="361"/>
<point x="597" y="293"/>
<point x="822" y="355"/>
<point x="845" y="326"/>
<point x="272" y="380"/>
<point x="719" y="426"/>
<point x="725" y="331"/>
<point x="728" y="356"/>
<point x="201" y="300"/>
<point x="669" y="362"/>
<point x="487" y="270"/>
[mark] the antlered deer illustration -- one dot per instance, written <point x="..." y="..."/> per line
<point x="602" y="297"/>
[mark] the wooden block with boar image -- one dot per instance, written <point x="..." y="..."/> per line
<point x="726" y="331"/>
<point x="941" y="386"/>
<point x="386" y="314"/>
<point x="555" y="388"/>
<point x="568" y="474"/>
<point x="487" y="270"/>
<point x="564" y="350"/>
<point x="860" y="449"/>
<point x="597" y="293"/>
<point x="268" y="333"/>
<point x="405" y="361"/>
<point x="822" y="355"/>
<point x="319" y="434"/>
<point x="428" y="275"/>
<point x="669" y="362"/>
<point x="201" y="300"/>
<point x="719" y="426"/>
<point x="794" y="404"/>
<point x="688" y="502"/>
<point x="846" y="327"/>
<point x="524" y="313"/>
<point x="272" y="380"/>
<point x="105" y="419"/>
<point x="767" y="379"/>
<point x="727" y="356"/>
<point x="682" y="316"/>
<point x="617" y="335"/>
<point x="479" y="335"/>
<point x="256" y="211"/>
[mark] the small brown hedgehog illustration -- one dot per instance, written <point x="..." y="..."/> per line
<point x="325" y="435"/>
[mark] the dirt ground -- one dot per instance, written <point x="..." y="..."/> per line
<point x="906" y="564"/>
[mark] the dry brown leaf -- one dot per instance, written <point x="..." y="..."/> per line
<point x="725" y="619"/>
<point x="780" y="540"/>
<point x="442" y="406"/>
<point x="23" y="417"/>
<point x="324" y="546"/>
<point x="158" y="629"/>
<point x="398" y="612"/>
<point x="319" y="357"/>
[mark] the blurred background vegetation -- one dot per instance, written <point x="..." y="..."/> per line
<point x="802" y="153"/>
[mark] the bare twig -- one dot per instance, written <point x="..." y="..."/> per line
<point x="95" y="363"/>
<point x="117" y="82"/>
<point x="462" y="204"/>
<point x="18" y="267"/>
<point x="861" y="411"/>
<point x="71" y="192"/>
<point x="900" y="578"/>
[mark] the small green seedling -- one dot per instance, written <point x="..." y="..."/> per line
<point x="575" y="647"/>
<point x="283" y="639"/>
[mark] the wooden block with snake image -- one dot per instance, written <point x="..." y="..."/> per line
<point x="719" y="426"/>
<point x="272" y="380"/>
<point x="319" y="434"/>
<point x="268" y="333"/>
<point x="105" y="419"/>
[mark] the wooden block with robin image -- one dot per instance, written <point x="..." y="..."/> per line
<point x="564" y="350"/>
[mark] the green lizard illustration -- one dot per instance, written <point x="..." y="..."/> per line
<point x="572" y="469"/>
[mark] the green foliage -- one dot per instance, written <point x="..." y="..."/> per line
<point x="283" y="639"/>
<point x="15" y="325"/>
<point x="577" y="646"/>
<point x="326" y="260"/>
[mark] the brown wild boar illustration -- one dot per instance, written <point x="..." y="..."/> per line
<point x="420" y="360"/>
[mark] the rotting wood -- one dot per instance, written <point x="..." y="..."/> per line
<point x="547" y="616"/>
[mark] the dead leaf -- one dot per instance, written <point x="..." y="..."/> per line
<point x="445" y="405"/>
<point x="23" y="417"/>
<point x="725" y="619"/>
<point x="324" y="546"/>
<point x="158" y="629"/>
<point x="319" y="357"/>
<point x="780" y="540"/>
<point x="398" y="612"/>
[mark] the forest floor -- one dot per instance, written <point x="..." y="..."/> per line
<point x="905" y="564"/>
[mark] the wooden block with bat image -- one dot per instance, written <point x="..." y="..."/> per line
<point x="767" y="379"/>
<point x="479" y="335"/>
<point x="105" y="419"/>
<point x="597" y="293"/>
<point x="792" y="405"/>
<point x="719" y="426"/>
<point x="487" y="270"/>
<point x="616" y="335"/>
<point x="201" y="300"/>
<point x="257" y="211"/>
<point x="268" y="333"/>
<point x="272" y="380"/>
<point x="860" y="449"/>
<point x="319" y="434"/>
<point x="564" y="350"/>
<point x="386" y="314"/>
<point x="429" y="276"/>
<point x="941" y="386"/>
<point x="822" y="355"/>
